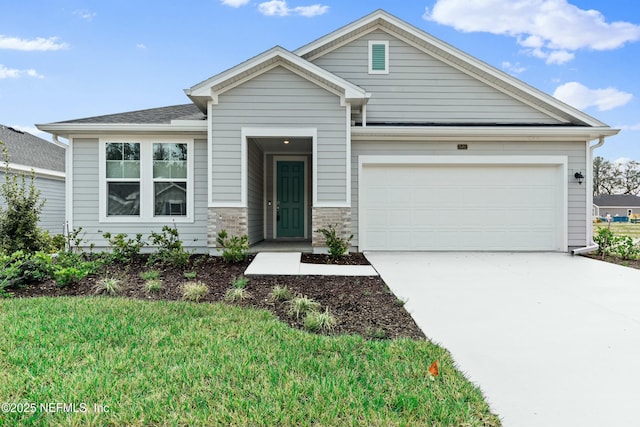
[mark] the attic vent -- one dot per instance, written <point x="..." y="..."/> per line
<point x="378" y="57"/>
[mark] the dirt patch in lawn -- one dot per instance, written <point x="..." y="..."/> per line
<point x="361" y="305"/>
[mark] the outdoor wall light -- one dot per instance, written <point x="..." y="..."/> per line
<point x="579" y="177"/>
<point x="286" y="141"/>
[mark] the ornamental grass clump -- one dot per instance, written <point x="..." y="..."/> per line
<point x="194" y="291"/>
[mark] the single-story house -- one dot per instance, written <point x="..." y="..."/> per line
<point x="403" y="140"/>
<point x="616" y="205"/>
<point x="47" y="159"/>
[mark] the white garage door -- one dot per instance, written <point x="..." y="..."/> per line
<point x="451" y="207"/>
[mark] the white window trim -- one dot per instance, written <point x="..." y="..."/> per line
<point x="146" y="181"/>
<point x="386" y="56"/>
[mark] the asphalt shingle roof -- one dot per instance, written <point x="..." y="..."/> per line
<point x="29" y="150"/>
<point x="620" y="200"/>
<point x="162" y="115"/>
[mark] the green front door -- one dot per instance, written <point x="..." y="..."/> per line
<point x="290" y="201"/>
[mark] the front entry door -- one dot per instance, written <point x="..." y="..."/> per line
<point x="290" y="201"/>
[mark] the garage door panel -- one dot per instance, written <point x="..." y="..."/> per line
<point x="461" y="207"/>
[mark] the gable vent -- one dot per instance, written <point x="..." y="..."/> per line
<point x="378" y="57"/>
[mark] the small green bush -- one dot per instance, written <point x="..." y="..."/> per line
<point x="153" y="285"/>
<point x="122" y="248"/>
<point x="315" y="321"/>
<point x="240" y="282"/>
<point x="190" y="275"/>
<point x="236" y="294"/>
<point x="22" y="268"/>
<point x="281" y="293"/>
<point x="108" y="285"/>
<point x="169" y="247"/>
<point x="302" y="305"/>
<point x="605" y="240"/>
<point x="625" y="248"/>
<point x="149" y="275"/>
<point x="65" y="276"/>
<point x="194" y="291"/>
<point x="337" y="245"/>
<point x="234" y="248"/>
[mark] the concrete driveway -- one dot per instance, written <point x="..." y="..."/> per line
<point x="552" y="340"/>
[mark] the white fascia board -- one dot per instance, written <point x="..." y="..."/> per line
<point x="276" y="55"/>
<point x="65" y="129"/>
<point x="44" y="173"/>
<point x="481" y="133"/>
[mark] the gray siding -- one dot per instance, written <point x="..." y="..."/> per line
<point x="85" y="203"/>
<point x="53" y="194"/>
<point x="256" y="194"/>
<point x="575" y="151"/>
<point x="422" y="89"/>
<point x="278" y="98"/>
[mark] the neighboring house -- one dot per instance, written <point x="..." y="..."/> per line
<point x="398" y="137"/>
<point x="616" y="205"/>
<point x="47" y="160"/>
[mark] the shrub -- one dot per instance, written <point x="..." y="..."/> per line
<point x="19" y="229"/>
<point x="122" y="248"/>
<point x="337" y="245"/>
<point x="194" y="291"/>
<point x="315" y="321"/>
<point x="625" y="248"/>
<point x="281" y="293"/>
<point x="150" y="275"/>
<point x="153" y="285"/>
<point x="169" y="247"/>
<point x="21" y="268"/>
<point x="236" y="294"/>
<point x="190" y="275"/>
<point x="605" y="240"/>
<point x="68" y="275"/>
<point x="234" y="248"/>
<point x="108" y="286"/>
<point x="302" y="305"/>
<point x="240" y="282"/>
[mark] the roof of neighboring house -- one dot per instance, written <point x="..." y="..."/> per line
<point x="162" y="115"/>
<point x="29" y="150"/>
<point x="616" y="200"/>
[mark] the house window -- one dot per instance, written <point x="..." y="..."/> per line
<point x="146" y="181"/>
<point x="170" y="179"/>
<point x="123" y="178"/>
<point x="378" y="57"/>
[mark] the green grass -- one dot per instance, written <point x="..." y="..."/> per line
<point x="178" y="363"/>
<point x="620" y="229"/>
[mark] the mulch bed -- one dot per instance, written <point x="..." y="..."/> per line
<point x="633" y="263"/>
<point x="350" y="259"/>
<point x="361" y="305"/>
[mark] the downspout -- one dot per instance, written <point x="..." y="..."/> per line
<point x="593" y="245"/>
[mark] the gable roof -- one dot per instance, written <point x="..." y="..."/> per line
<point x="616" y="200"/>
<point x="452" y="56"/>
<point x="276" y="56"/>
<point x="162" y="115"/>
<point x="29" y="150"/>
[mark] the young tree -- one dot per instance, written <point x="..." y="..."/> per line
<point x="19" y="219"/>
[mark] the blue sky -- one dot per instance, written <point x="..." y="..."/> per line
<point x="67" y="59"/>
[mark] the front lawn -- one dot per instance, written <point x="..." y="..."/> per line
<point x="119" y="361"/>
<point x="620" y="228"/>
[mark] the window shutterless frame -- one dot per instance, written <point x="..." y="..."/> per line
<point x="170" y="187"/>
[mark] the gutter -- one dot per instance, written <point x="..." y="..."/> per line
<point x="593" y="245"/>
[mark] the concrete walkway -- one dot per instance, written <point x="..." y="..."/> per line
<point x="552" y="340"/>
<point x="288" y="264"/>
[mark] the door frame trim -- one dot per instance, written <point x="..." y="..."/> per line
<point x="305" y="160"/>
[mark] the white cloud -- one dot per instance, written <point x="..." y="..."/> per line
<point x="581" y="97"/>
<point x="141" y="46"/>
<point x="516" y="68"/>
<point x="280" y="8"/>
<point x="85" y="14"/>
<point x="39" y="43"/>
<point x="13" y="73"/>
<point x="548" y="29"/>
<point x="234" y="3"/>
